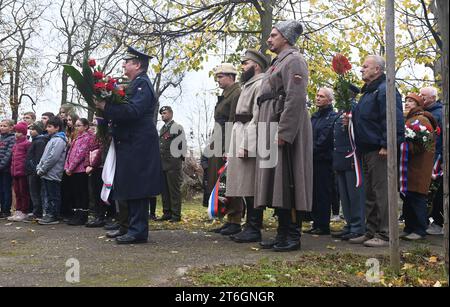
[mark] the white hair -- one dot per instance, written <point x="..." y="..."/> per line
<point x="432" y="91"/>
<point x="329" y="92"/>
<point x="379" y="60"/>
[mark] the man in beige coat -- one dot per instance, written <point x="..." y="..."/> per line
<point x="242" y="151"/>
<point x="284" y="175"/>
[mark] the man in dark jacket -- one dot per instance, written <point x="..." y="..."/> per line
<point x="138" y="174"/>
<point x="369" y="120"/>
<point x="434" y="106"/>
<point x="322" y="123"/>
<point x="347" y="172"/>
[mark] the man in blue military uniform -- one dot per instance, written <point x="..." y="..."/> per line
<point x="138" y="173"/>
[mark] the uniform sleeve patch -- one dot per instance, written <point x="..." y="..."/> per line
<point x="297" y="79"/>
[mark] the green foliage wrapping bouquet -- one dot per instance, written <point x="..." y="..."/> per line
<point x="93" y="85"/>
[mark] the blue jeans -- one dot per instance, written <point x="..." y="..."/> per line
<point x="353" y="201"/>
<point x="5" y="191"/>
<point x="415" y="213"/>
<point x="51" y="197"/>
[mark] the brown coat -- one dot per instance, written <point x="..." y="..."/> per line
<point x="288" y="77"/>
<point x="420" y="160"/>
<point x="241" y="172"/>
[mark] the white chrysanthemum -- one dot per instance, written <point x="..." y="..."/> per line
<point x="423" y="128"/>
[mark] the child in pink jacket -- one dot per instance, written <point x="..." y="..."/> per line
<point x="18" y="173"/>
<point x="75" y="168"/>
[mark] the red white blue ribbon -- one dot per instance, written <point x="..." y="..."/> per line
<point x="437" y="170"/>
<point x="213" y="203"/>
<point x="404" y="149"/>
<point x="351" y="135"/>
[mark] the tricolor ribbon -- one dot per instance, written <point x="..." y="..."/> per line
<point x="351" y="136"/>
<point x="404" y="148"/>
<point x="437" y="170"/>
<point x="213" y="203"/>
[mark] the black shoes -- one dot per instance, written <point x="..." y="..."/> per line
<point x="287" y="246"/>
<point x="218" y="230"/>
<point x="248" y="235"/>
<point x="96" y="223"/>
<point x="232" y="229"/>
<point x="340" y="234"/>
<point x="115" y="233"/>
<point x="175" y="220"/>
<point x="269" y="244"/>
<point x="79" y="218"/>
<point x="318" y="232"/>
<point x="165" y="217"/>
<point x="152" y="217"/>
<point x="112" y="226"/>
<point x="127" y="239"/>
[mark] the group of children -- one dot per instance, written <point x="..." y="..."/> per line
<point x="54" y="168"/>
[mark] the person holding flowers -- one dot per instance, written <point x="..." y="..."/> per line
<point x="417" y="156"/>
<point x="138" y="174"/>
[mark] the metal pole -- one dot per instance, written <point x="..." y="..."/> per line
<point x="443" y="7"/>
<point x="392" y="137"/>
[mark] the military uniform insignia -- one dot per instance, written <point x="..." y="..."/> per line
<point x="297" y="79"/>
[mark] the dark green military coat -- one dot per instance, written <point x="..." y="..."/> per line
<point x="172" y="134"/>
<point x="224" y="112"/>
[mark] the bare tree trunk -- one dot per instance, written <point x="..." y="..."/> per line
<point x="392" y="137"/>
<point x="11" y="88"/>
<point x="443" y="8"/>
<point x="266" y="23"/>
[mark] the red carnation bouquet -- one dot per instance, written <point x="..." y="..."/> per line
<point x="422" y="135"/>
<point x="93" y="85"/>
<point x="342" y="66"/>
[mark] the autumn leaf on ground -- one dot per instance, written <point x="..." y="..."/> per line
<point x="437" y="284"/>
<point x="331" y="247"/>
<point x="407" y="266"/>
<point x="433" y="259"/>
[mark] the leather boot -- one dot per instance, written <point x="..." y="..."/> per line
<point x="253" y="225"/>
<point x="290" y="240"/>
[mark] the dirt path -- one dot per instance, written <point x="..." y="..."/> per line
<point x="33" y="255"/>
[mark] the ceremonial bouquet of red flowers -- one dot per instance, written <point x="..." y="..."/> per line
<point x="422" y="135"/>
<point x="342" y="66"/>
<point x="93" y="85"/>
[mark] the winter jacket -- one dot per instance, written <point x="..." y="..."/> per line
<point x="7" y="142"/>
<point x="420" y="160"/>
<point x="369" y="117"/>
<point x="35" y="153"/>
<point x="19" y="157"/>
<point x="75" y="162"/>
<point x="94" y="155"/>
<point x="51" y="166"/>
<point x="436" y="110"/>
<point x="322" y="123"/>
